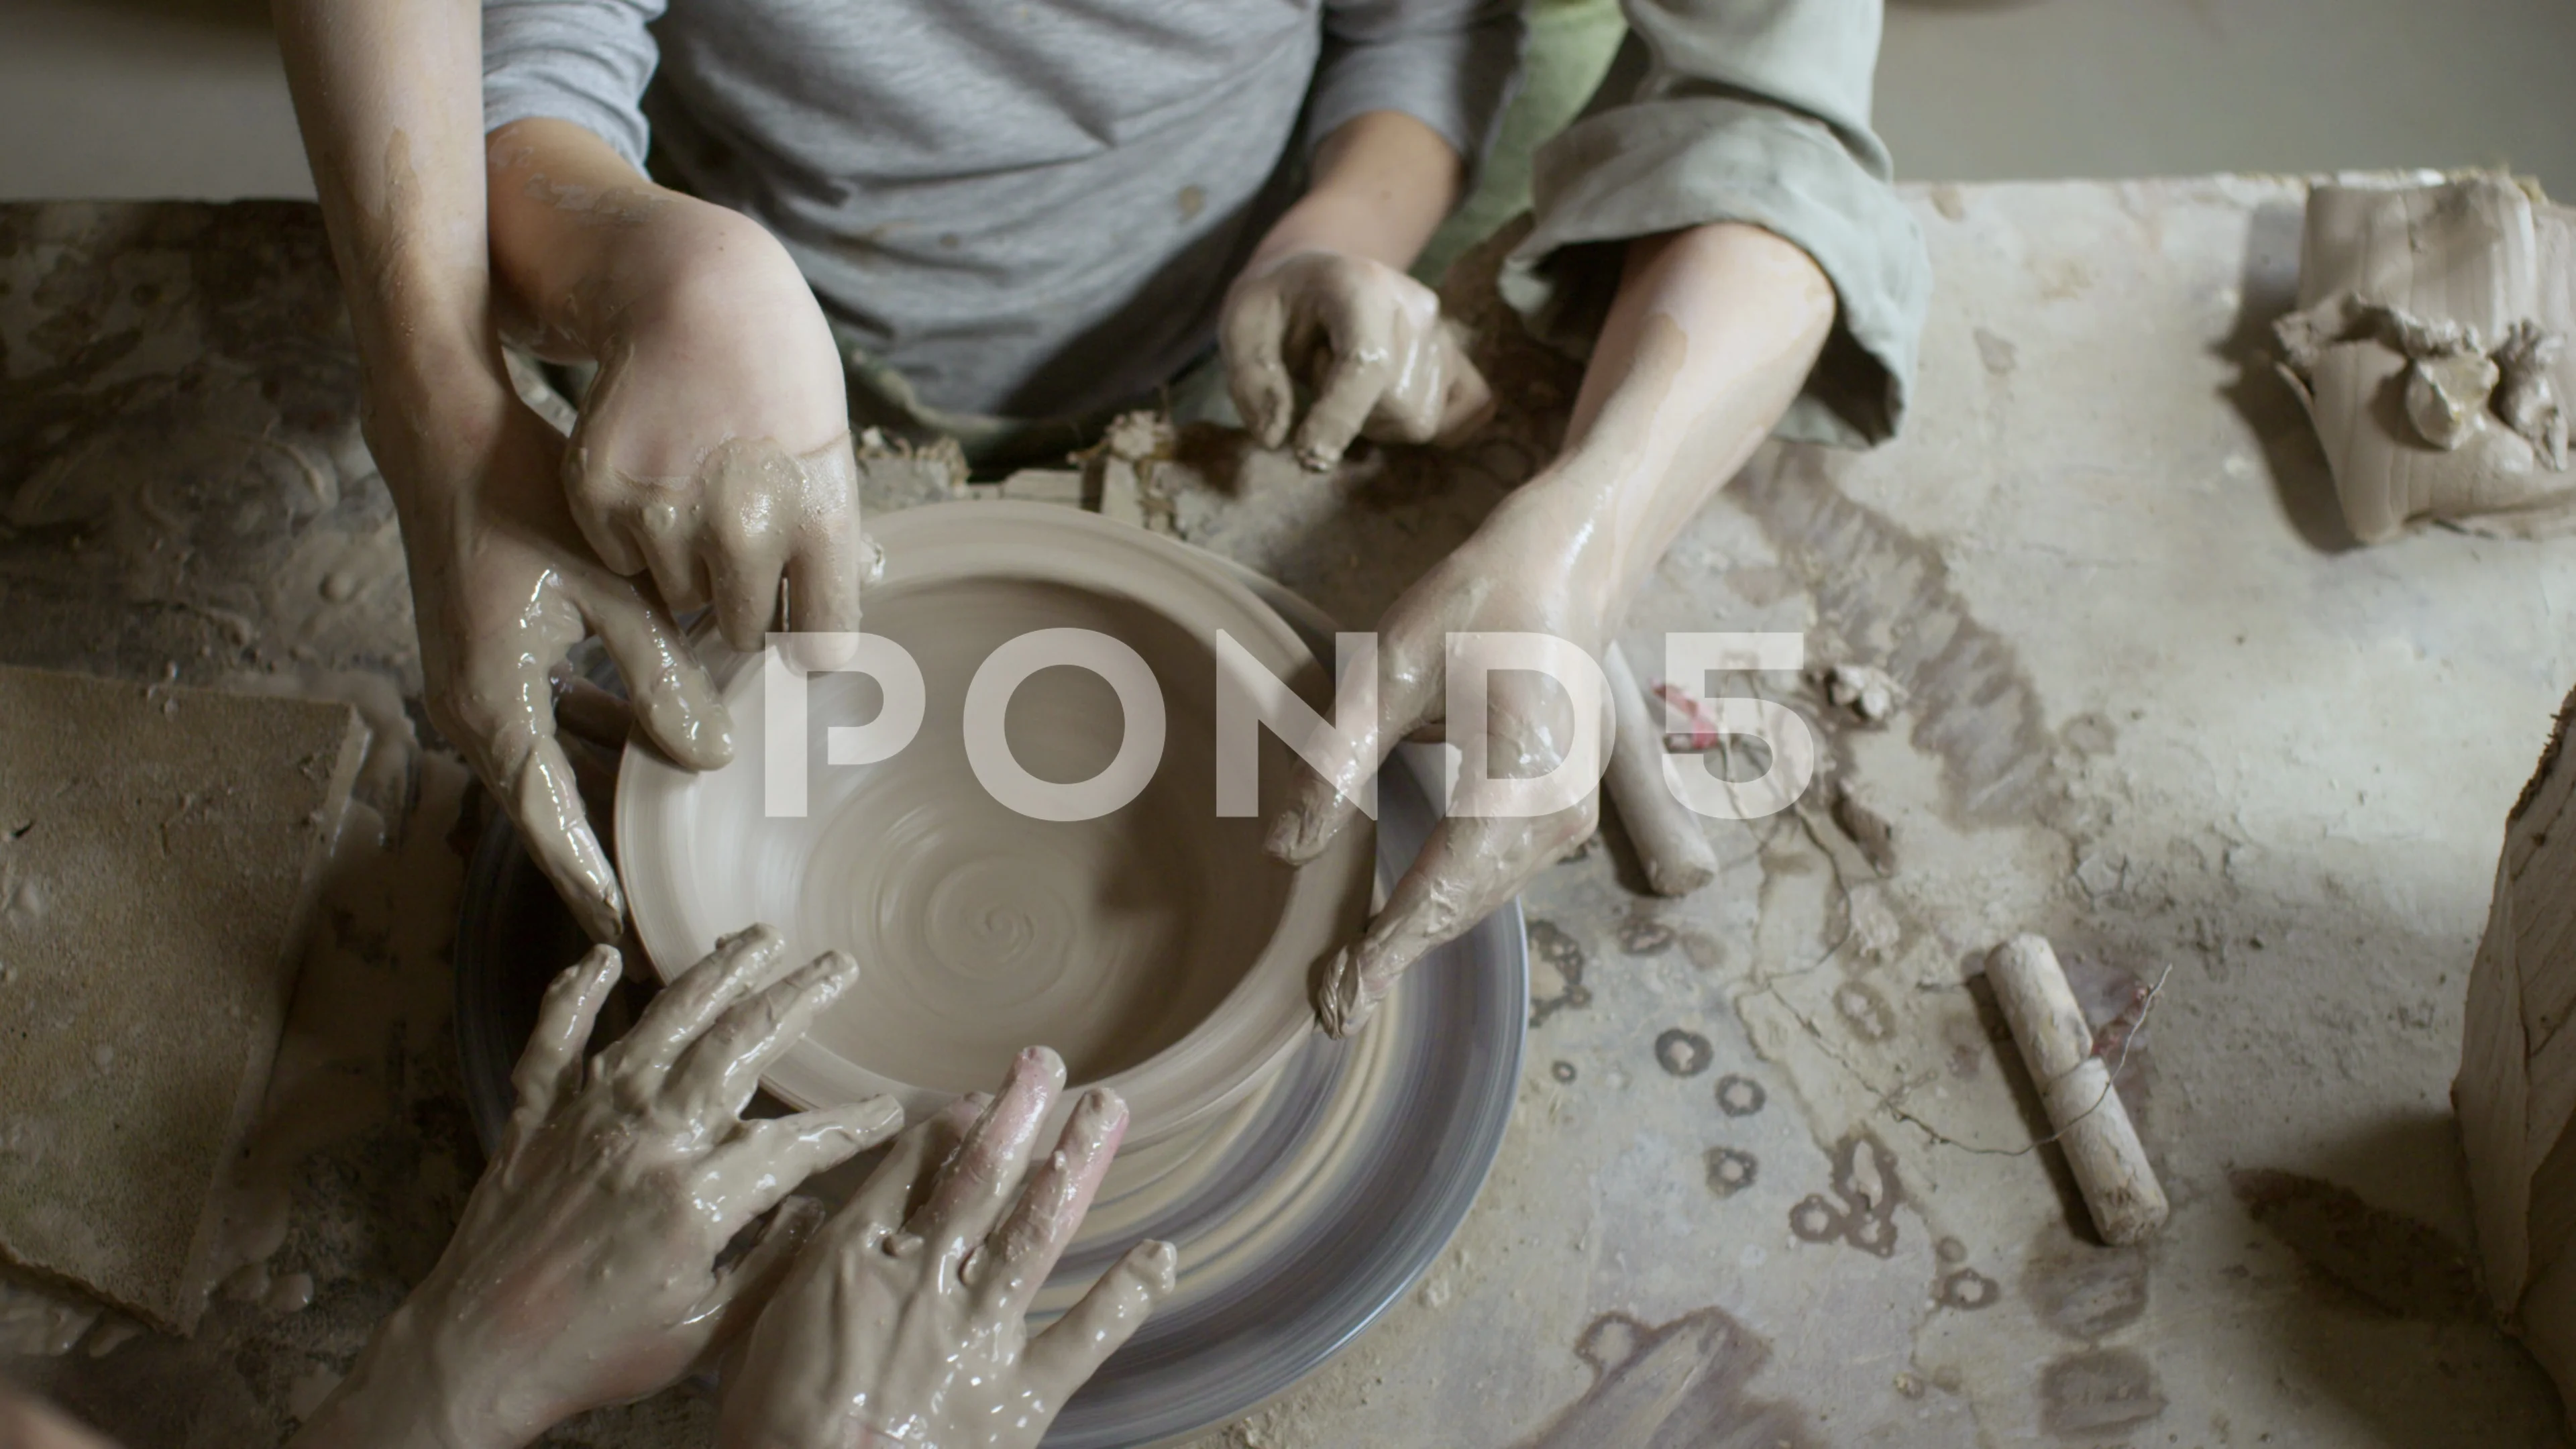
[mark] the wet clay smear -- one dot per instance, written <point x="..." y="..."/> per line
<point x="1885" y="594"/>
<point x="162" y="850"/>
<point x="1680" y="1383"/>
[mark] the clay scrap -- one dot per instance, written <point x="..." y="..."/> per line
<point x="2429" y="347"/>
<point x="160" y="848"/>
<point x="2516" y="1091"/>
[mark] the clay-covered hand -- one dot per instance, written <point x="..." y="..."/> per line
<point x="585" y="1269"/>
<point x="904" y="1321"/>
<point x="713" y="451"/>
<point x="504" y="588"/>
<point x="713" y="447"/>
<point x="1367" y="340"/>
<point x="1524" y="571"/>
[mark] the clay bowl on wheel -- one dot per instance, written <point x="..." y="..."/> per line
<point x="1158" y="947"/>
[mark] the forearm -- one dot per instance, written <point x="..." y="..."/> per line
<point x="389" y="98"/>
<point x="1709" y="340"/>
<point x="1383" y="182"/>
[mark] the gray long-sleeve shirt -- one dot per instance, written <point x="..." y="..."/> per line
<point x="1023" y="209"/>
<point x="1754" y="111"/>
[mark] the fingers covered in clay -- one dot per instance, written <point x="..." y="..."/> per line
<point x="742" y="962"/>
<point x="542" y="793"/>
<point x="901" y="1183"/>
<point x="1408" y="693"/>
<point x="489" y="693"/>
<point x="722" y="1068"/>
<point x="1468" y="868"/>
<point x="585" y="1269"/>
<point x="919" y="1333"/>
<point x="505" y="588"/>
<point x="771" y="1156"/>
<point x="1023" y="1251"/>
<point x="672" y="695"/>
<point x="1367" y="339"/>
<point x="550" y="1068"/>
<point x="980" y="1178"/>
<point x="1074" y="1347"/>
<point x="745" y="519"/>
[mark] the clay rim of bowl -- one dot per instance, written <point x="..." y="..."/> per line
<point x="1239" y="1043"/>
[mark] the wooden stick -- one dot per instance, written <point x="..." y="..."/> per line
<point x="2084" y="1110"/>
<point x="1670" y="843"/>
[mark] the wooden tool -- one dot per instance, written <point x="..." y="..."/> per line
<point x="2084" y="1109"/>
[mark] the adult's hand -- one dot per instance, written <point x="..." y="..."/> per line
<point x="1367" y="340"/>
<point x="585" y="1271"/>
<point x="503" y="587"/>
<point x="1529" y="569"/>
<point x="713" y="448"/>
<point x="904" y="1322"/>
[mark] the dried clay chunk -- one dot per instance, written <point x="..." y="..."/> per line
<point x="2427" y="350"/>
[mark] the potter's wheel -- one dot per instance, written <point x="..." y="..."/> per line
<point x="1299" y="1219"/>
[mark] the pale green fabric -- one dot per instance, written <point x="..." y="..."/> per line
<point x="1752" y="111"/>
<point x="1570" y="45"/>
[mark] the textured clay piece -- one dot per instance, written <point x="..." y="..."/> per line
<point x="2428" y="348"/>
<point x="159" y="851"/>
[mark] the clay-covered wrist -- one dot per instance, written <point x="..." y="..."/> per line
<point x="421" y="1385"/>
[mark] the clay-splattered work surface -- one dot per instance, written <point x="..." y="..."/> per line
<point x="1770" y="1177"/>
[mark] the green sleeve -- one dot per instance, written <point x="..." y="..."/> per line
<point x="1753" y="111"/>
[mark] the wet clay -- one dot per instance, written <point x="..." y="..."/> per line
<point x="1156" y="947"/>
<point x="2429" y="350"/>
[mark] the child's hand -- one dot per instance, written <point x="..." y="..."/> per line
<point x="1531" y="568"/>
<point x="1368" y="341"/>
